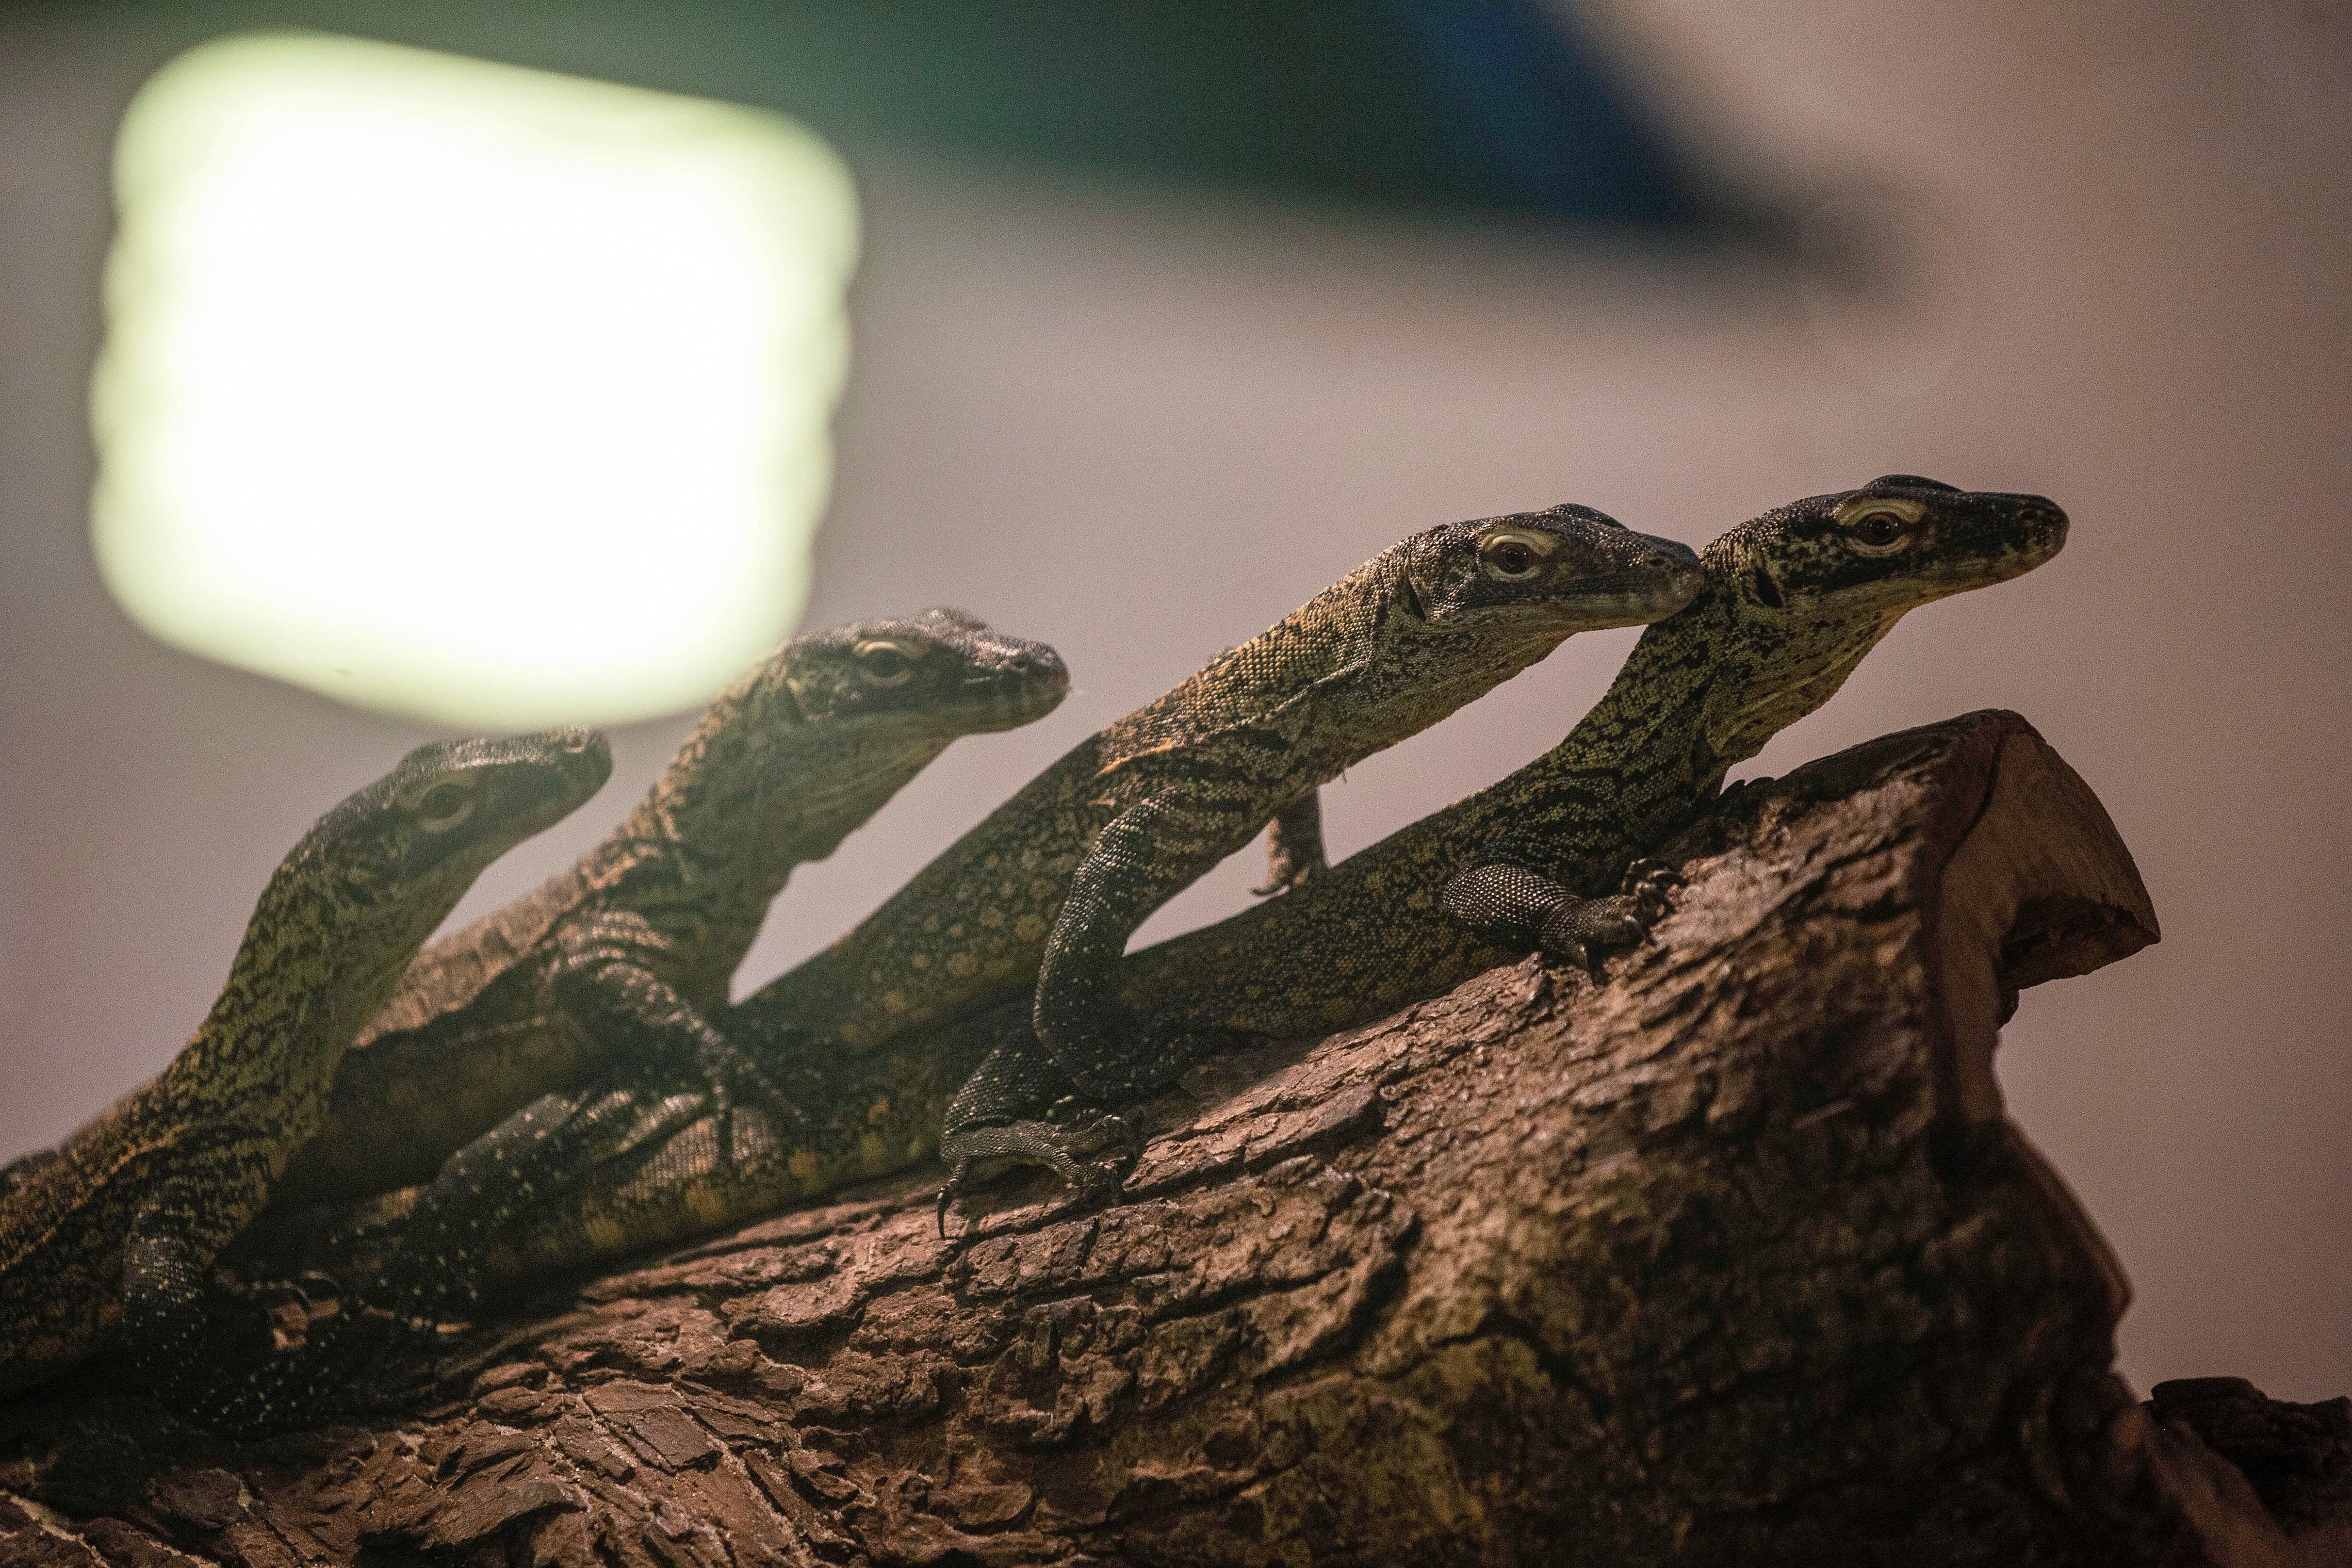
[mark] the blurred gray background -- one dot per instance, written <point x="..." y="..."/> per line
<point x="1142" y="423"/>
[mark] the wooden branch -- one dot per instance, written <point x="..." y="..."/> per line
<point x="1731" y="1257"/>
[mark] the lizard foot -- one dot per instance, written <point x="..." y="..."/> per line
<point x="1065" y="1146"/>
<point x="1650" y="884"/>
<point x="1581" y="930"/>
<point x="298" y="1307"/>
<point x="354" y="1365"/>
<point x="249" y="1318"/>
<point x="731" y="1077"/>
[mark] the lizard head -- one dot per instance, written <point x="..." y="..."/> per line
<point x="1895" y="543"/>
<point x="813" y="740"/>
<point x="942" y="670"/>
<point x="1542" y="575"/>
<point x="1796" y="597"/>
<point x="390" y="862"/>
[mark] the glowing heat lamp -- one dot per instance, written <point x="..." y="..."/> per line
<point x="469" y="392"/>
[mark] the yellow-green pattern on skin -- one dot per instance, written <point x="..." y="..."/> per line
<point x="1734" y="655"/>
<point x="630" y="951"/>
<point x="1067" y="869"/>
<point x="1793" y="601"/>
<point x="1048" y="888"/>
<point x="114" y="1232"/>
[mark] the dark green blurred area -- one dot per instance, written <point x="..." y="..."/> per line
<point x="1493" y="108"/>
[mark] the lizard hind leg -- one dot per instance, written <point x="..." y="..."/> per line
<point x="1294" y="846"/>
<point x="512" y="1171"/>
<point x="609" y="982"/>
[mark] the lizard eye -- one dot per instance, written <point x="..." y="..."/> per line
<point x="1876" y="532"/>
<point x="885" y="663"/>
<point x="1511" y="557"/>
<point x="445" y="805"/>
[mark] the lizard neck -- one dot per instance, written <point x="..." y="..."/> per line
<point x="1323" y="640"/>
<point x="1702" y="692"/>
<point x="1372" y="677"/>
<point x="302" y="981"/>
<point x="755" y="792"/>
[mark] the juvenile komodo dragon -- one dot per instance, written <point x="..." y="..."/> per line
<point x="1043" y="895"/>
<point x="632" y="949"/>
<point x="111" y="1238"/>
<point x="1793" y="601"/>
<point x="1049" y="886"/>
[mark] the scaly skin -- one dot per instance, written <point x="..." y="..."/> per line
<point x="1794" y="600"/>
<point x="1704" y="691"/>
<point x="1294" y="846"/>
<point x="632" y="949"/>
<point x="1047" y="889"/>
<point x="1056" y="880"/>
<point x="112" y="1236"/>
<point x="1051" y="885"/>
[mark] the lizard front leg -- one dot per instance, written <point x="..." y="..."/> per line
<point x="1501" y="899"/>
<point x="1148" y="853"/>
<point x="1294" y="846"/>
<point x="1018" y="1109"/>
<point x="532" y="1165"/>
<point x="1085" y="1056"/>
<point x="167" y="1254"/>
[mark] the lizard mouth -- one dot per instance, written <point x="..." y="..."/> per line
<point x="1007" y="698"/>
<point x="1632" y="599"/>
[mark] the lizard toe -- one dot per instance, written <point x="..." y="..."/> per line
<point x="1562" y="945"/>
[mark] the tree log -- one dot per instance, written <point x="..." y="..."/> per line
<point x="1728" y="1256"/>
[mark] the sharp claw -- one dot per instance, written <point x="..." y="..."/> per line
<point x="1650" y="877"/>
<point x="948" y="1194"/>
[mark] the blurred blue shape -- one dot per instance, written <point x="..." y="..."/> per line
<point x="1449" y="108"/>
<point x="1536" y="116"/>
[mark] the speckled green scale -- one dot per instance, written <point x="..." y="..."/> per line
<point x="111" y="1237"/>
<point x="1793" y="601"/>
<point x="632" y="949"/>
<point x="1056" y="877"/>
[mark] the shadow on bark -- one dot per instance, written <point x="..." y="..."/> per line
<point x="1731" y="1256"/>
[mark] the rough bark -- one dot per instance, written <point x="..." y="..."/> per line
<point x="1729" y="1257"/>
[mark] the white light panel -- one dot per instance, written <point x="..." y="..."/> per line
<point x="473" y="392"/>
